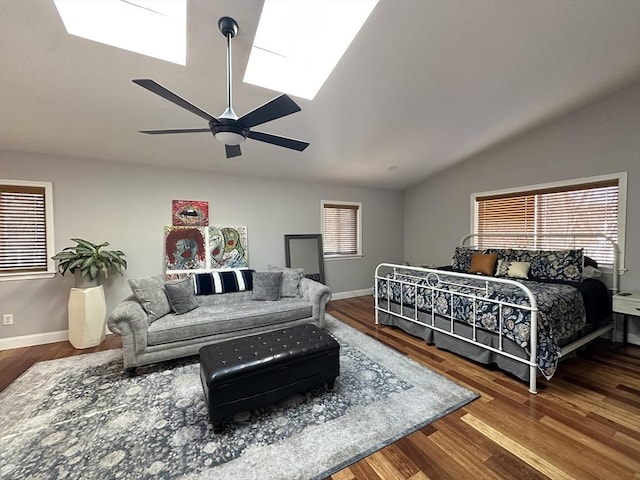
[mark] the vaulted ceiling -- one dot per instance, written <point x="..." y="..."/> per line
<point x="426" y="83"/>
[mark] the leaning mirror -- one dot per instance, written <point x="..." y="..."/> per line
<point x="305" y="251"/>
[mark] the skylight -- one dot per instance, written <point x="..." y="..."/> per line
<point x="298" y="43"/>
<point x="156" y="28"/>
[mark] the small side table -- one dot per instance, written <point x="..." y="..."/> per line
<point x="627" y="304"/>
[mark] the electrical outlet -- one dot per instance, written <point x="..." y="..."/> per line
<point x="7" y="319"/>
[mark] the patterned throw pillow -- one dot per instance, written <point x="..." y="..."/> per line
<point x="181" y="296"/>
<point x="290" y="280"/>
<point x="502" y="268"/>
<point x="267" y="285"/>
<point x="152" y="296"/>
<point x="223" y="281"/>
<point x="462" y="258"/>
<point x="558" y="265"/>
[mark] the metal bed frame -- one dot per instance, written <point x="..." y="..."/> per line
<point x="437" y="284"/>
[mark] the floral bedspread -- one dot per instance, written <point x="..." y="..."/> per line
<point x="561" y="311"/>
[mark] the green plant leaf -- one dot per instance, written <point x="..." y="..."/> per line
<point x="90" y="259"/>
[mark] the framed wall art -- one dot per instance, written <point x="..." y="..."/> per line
<point x="185" y="248"/>
<point x="189" y="213"/>
<point x="191" y="250"/>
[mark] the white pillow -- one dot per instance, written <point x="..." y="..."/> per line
<point x="591" y="272"/>
<point x="518" y="269"/>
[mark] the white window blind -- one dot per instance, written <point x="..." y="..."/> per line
<point x="570" y="209"/>
<point x="341" y="229"/>
<point x="23" y="229"/>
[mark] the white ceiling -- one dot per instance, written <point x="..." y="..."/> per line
<point x="426" y="83"/>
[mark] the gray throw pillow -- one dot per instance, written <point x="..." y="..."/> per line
<point x="290" y="280"/>
<point x="181" y="296"/>
<point x="266" y="285"/>
<point x="151" y="294"/>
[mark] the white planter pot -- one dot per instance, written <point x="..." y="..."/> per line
<point x="87" y="316"/>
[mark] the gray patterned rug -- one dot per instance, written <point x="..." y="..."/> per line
<point x="80" y="418"/>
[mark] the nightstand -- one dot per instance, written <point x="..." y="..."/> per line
<point x="627" y="304"/>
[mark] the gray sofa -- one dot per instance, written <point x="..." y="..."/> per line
<point x="150" y="337"/>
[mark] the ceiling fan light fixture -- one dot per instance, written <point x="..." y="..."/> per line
<point x="229" y="138"/>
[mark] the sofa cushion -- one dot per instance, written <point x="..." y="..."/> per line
<point x="181" y="296"/>
<point x="266" y="286"/>
<point x="290" y="280"/>
<point x="151" y="294"/>
<point x="224" y="318"/>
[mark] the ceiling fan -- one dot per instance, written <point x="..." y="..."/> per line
<point x="228" y="128"/>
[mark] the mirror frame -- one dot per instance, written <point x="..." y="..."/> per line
<point x="287" y="254"/>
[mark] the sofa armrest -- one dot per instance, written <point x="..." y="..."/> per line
<point x="317" y="294"/>
<point x="129" y="320"/>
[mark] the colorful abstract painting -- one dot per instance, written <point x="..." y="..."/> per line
<point x="228" y="247"/>
<point x="190" y="213"/>
<point x="185" y="248"/>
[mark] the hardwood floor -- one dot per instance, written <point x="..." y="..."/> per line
<point x="584" y="424"/>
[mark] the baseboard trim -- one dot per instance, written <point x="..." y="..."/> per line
<point x="35" y="339"/>
<point x="354" y="293"/>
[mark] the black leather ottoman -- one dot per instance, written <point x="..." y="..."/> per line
<point x="246" y="373"/>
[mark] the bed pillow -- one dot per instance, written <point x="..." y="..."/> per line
<point x="590" y="262"/>
<point x="462" y="258"/>
<point x="181" y="296"/>
<point x="266" y="286"/>
<point x="151" y="294"/>
<point x="591" y="272"/>
<point x="518" y="269"/>
<point x="290" y="280"/>
<point x="557" y="264"/>
<point x="483" y="263"/>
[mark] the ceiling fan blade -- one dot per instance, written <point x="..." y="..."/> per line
<point x="177" y="130"/>
<point x="277" y="140"/>
<point x="232" y="151"/>
<point x="278" y="107"/>
<point x="172" y="97"/>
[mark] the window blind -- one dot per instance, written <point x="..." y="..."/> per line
<point x="585" y="208"/>
<point x="23" y="230"/>
<point x="340" y="229"/>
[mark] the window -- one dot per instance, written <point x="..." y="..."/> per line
<point x="293" y="52"/>
<point x="588" y="205"/>
<point x="26" y="230"/>
<point x="341" y="229"/>
<point x="156" y="28"/>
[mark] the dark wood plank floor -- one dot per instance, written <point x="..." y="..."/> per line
<point x="584" y="424"/>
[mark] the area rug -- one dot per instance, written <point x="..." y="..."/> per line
<point x="82" y="418"/>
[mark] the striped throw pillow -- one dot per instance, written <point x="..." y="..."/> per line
<point x="223" y="281"/>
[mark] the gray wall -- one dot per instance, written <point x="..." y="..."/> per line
<point x="128" y="206"/>
<point x="602" y="137"/>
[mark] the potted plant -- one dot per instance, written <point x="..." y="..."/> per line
<point x="88" y="261"/>
<point x="87" y="307"/>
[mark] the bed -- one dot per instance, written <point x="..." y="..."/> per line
<point x="522" y="309"/>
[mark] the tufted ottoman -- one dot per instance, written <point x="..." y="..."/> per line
<point x="245" y="373"/>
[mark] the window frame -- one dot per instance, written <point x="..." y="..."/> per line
<point x="358" y="206"/>
<point x="50" y="271"/>
<point x="621" y="178"/>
